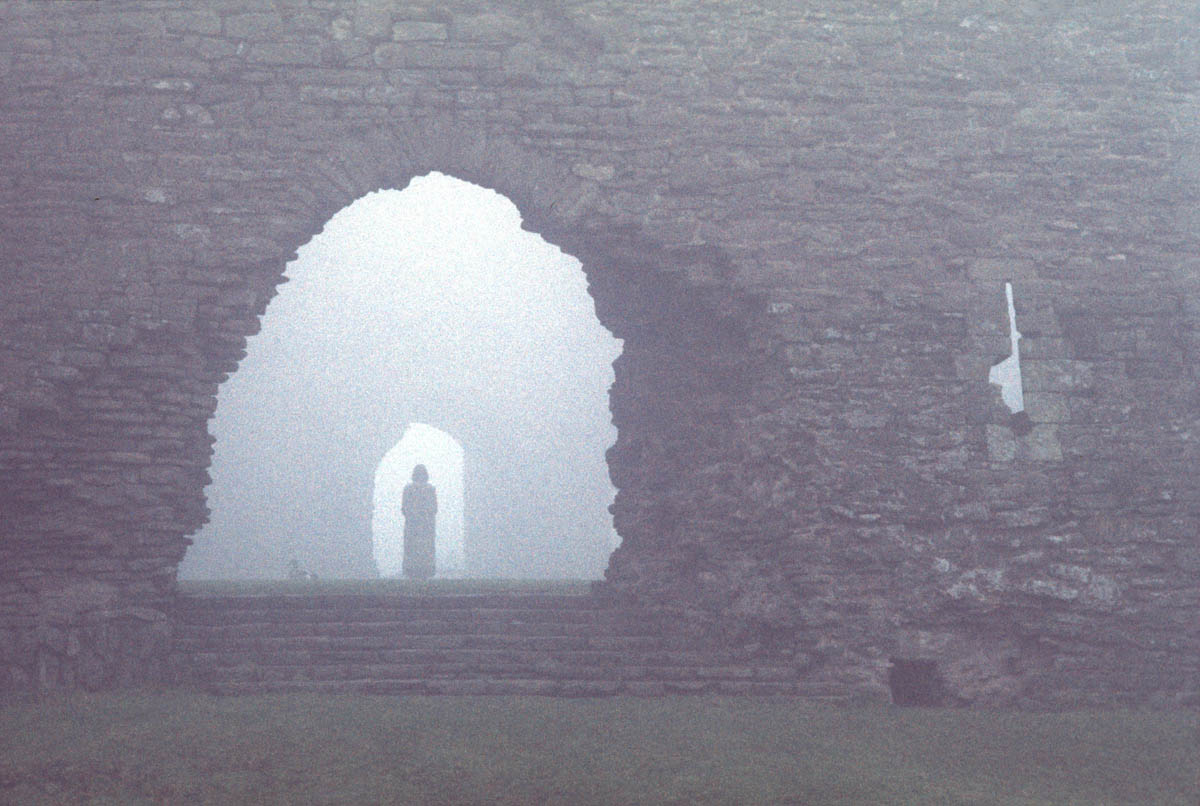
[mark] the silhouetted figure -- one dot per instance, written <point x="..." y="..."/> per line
<point x="419" y="506"/>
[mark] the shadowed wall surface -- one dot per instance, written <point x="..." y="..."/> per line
<point x="798" y="217"/>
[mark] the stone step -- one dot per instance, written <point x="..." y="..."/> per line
<point x="325" y="643"/>
<point x="392" y="601"/>
<point x="316" y="615"/>
<point x="397" y="629"/>
<point x="519" y="686"/>
<point x="551" y="644"/>
<point x="479" y="658"/>
<point x="466" y="671"/>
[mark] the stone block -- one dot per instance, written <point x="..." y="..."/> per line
<point x="1037" y="321"/>
<point x="1042" y="445"/>
<point x="991" y="99"/>
<point x="341" y="29"/>
<point x="198" y="22"/>
<point x="597" y="173"/>
<point x="324" y="94"/>
<point x="1039" y="445"/>
<point x="490" y="27"/>
<point x="477" y="99"/>
<point x="1045" y="118"/>
<point x="254" y="26"/>
<point x="797" y="53"/>
<point x="1056" y="375"/>
<point x="371" y="20"/>
<point x="128" y="21"/>
<point x="1047" y="407"/>
<point x="57" y="372"/>
<point x="589" y="688"/>
<point x="389" y="95"/>
<point x="521" y="60"/>
<point x="1043" y="346"/>
<point x="287" y="52"/>
<point x="999" y="270"/>
<point x="431" y="57"/>
<point x="974" y="367"/>
<point x="307" y="21"/>
<point x="9" y="647"/>
<point x="410" y="31"/>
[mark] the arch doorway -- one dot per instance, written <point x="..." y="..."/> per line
<point x="428" y="305"/>
<point x="442" y="456"/>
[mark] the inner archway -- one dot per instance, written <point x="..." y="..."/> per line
<point x="442" y="455"/>
<point x="430" y="305"/>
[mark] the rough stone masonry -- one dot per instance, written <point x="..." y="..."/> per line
<point x="800" y="217"/>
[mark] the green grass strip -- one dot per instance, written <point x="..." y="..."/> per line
<point x="187" y="748"/>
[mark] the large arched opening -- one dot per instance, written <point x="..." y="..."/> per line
<point x="429" y="305"/>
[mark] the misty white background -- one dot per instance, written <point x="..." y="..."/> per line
<point x="428" y="306"/>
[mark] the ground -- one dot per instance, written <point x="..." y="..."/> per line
<point x="178" y="747"/>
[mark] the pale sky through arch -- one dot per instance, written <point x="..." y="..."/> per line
<point x="429" y="305"/>
<point x="449" y="256"/>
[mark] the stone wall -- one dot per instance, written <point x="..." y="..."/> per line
<point x="799" y="217"/>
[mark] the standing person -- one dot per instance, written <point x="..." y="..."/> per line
<point x="419" y="506"/>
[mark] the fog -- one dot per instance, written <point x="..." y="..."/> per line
<point x="426" y="315"/>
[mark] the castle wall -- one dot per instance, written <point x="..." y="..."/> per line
<point x="799" y="217"/>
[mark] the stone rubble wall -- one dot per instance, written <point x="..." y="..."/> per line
<point x="799" y="217"/>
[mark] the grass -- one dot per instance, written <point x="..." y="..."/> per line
<point x="187" y="748"/>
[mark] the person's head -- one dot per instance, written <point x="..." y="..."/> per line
<point x="420" y="474"/>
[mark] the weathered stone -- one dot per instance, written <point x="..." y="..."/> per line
<point x="1056" y="375"/>
<point x="287" y="52"/>
<point x="254" y="26"/>
<point x="200" y="22"/>
<point x="371" y="19"/>
<point x="521" y="60"/>
<point x="800" y="235"/>
<point x="490" y="28"/>
<point x="418" y="31"/>
<point x="1001" y="443"/>
<point x="421" y="56"/>
<point x="991" y="98"/>
<point x="1042" y="444"/>
<point x="1047" y="407"/>
<point x="999" y="270"/>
